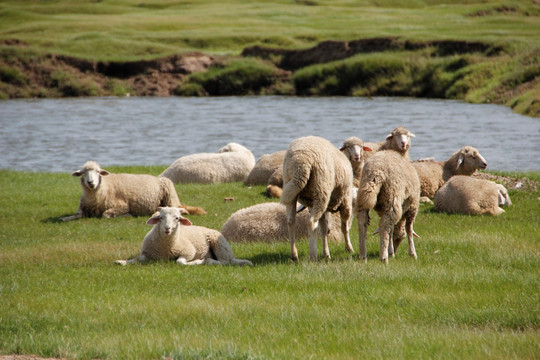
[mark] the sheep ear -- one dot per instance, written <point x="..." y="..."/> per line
<point x="77" y="173"/>
<point x="103" y="172"/>
<point x="389" y="136"/>
<point x="412" y="135"/>
<point x="366" y="148"/>
<point x="182" y="220"/>
<point x="154" y="220"/>
<point x="183" y="211"/>
<point x="460" y="161"/>
<point x="342" y="148"/>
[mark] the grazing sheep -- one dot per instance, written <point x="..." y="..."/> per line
<point x="318" y="176"/>
<point x="264" y="168"/>
<point x="354" y="149"/>
<point x="274" y="187"/>
<point x="469" y="195"/>
<point x="232" y="162"/>
<point x="173" y="238"/>
<point x="390" y="185"/>
<point x="112" y="195"/>
<point x="433" y="174"/>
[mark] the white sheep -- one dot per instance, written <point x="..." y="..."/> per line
<point x="111" y="195"/>
<point x="469" y="195"/>
<point x="354" y="150"/>
<point x="318" y="176"/>
<point x="391" y="187"/>
<point x="232" y="162"/>
<point x="398" y="140"/>
<point x="264" y="168"/>
<point x="433" y="174"/>
<point x="173" y="237"/>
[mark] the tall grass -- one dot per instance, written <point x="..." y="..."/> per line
<point x="472" y="293"/>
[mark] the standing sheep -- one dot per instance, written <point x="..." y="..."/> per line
<point x="354" y="149"/>
<point x="433" y="174"/>
<point x="469" y="195"/>
<point x="264" y="168"/>
<point x="318" y="176"/>
<point x="398" y="140"/>
<point x="232" y="162"/>
<point x="112" y="195"/>
<point x="390" y="185"/>
<point x="173" y="238"/>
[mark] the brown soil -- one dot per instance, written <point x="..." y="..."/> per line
<point x="511" y="183"/>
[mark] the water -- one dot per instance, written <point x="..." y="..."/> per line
<point x="59" y="135"/>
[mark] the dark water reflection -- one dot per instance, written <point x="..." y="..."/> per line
<point x="61" y="134"/>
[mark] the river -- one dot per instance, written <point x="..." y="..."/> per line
<point x="59" y="135"/>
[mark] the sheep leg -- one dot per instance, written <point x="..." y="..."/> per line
<point x="345" y="213"/>
<point x="386" y="226"/>
<point x="291" y="219"/>
<point x="363" y="221"/>
<point x="324" y="222"/>
<point x="139" y="259"/>
<point x="77" y="215"/>
<point x="410" y="234"/>
<point x="116" y="211"/>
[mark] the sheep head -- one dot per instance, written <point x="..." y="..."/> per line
<point x="469" y="160"/>
<point x="400" y="138"/>
<point x="168" y="218"/>
<point x="353" y="148"/>
<point x="90" y="174"/>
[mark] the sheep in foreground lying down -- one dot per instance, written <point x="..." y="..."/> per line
<point x="468" y="195"/>
<point x="112" y="195"/>
<point x="318" y="176"/>
<point x="232" y="162"/>
<point x="390" y="185"/>
<point x="264" y="168"/>
<point x="433" y="174"/>
<point x="173" y="238"/>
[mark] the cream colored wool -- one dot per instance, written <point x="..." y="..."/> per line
<point x="231" y="163"/>
<point x="354" y="150"/>
<point x="433" y="174"/>
<point x="173" y="237"/>
<point x="111" y="195"/>
<point x="469" y="195"/>
<point x="264" y="168"/>
<point x="391" y="187"/>
<point x="318" y="176"/>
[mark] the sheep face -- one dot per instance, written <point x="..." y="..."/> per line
<point x="401" y="138"/>
<point x="470" y="159"/>
<point x="90" y="175"/>
<point x="353" y="148"/>
<point x="168" y="219"/>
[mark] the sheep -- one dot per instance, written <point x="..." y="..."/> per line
<point x="398" y="140"/>
<point x="173" y="237"/>
<point x="111" y="195"/>
<point x="354" y="149"/>
<point x="469" y="195"/>
<point x="433" y="174"/>
<point x="264" y="168"/>
<point x="318" y="176"/>
<point x="267" y="222"/>
<point x="391" y="187"/>
<point x="232" y="162"/>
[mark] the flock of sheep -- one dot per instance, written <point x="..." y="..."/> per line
<point x="333" y="184"/>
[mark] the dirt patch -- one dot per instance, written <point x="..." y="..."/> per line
<point x="511" y="183"/>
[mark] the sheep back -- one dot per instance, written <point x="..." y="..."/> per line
<point x="264" y="168"/>
<point x="468" y="195"/>
<point x="430" y="174"/>
<point x="267" y="222"/>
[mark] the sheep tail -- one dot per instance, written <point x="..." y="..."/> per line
<point x="274" y="191"/>
<point x="368" y="192"/>
<point x="296" y="184"/>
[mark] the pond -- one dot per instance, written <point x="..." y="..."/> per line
<point x="59" y="135"/>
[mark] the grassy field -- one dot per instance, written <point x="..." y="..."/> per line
<point x="472" y="293"/>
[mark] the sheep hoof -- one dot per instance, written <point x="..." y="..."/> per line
<point x="384" y="261"/>
<point x="414" y="256"/>
<point x="121" y="262"/>
<point x="294" y="259"/>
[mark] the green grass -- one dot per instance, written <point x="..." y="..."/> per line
<point x="472" y="293"/>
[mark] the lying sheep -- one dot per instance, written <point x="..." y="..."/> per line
<point x="112" y="195"/>
<point x="318" y="176"/>
<point x="173" y="238"/>
<point x="354" y="150"/>
<point x="433" y="174"/>
<point x="390" y="185"/>
<point x="264" y="168"/>
<point x="274" y="186"/>
<point x="231" y="163"/>
<point x="469" y="195"/>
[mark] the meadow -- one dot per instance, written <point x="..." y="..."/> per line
<point x="472" y="293"/>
